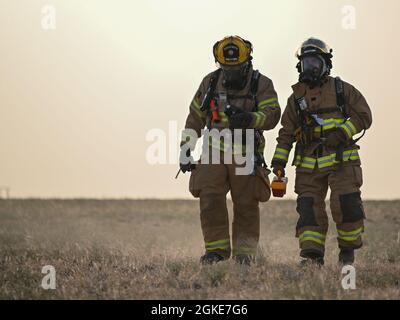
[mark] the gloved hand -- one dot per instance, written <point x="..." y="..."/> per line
<point x="335" y="138"/>
<point x="279" y="170"/>
<point x="241" y="120"/>
<point x="186" y="161"/>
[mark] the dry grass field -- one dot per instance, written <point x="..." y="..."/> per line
<point x="149" y="249"/>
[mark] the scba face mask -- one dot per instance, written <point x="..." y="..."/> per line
<point x="312" y="69"/>
<point x="235" y="77"/>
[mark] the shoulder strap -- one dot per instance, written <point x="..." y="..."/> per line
<point x="255" y="79"/>
<point x="342" y="103"/>
<point x="340" y="99"/>
<point x="211" y="90"/>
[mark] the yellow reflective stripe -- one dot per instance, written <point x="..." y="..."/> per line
<point x="196" y="104"/>
<point x="334" y="120"/>
<point x="351" y="155"/>
<point x="313" y="233"/>
<point x="327" y="161"/>
<point x="272" y="102"/>
<point x="334" y="123"/>
<point x="348" y="152"/>
<point x="260" y="119"/>
<point x="305" y="162"/>
<point x="326" y="157"/>
<point x="265" y="107"/>
<point x="347" y="129"/>
<point x="353" y="158"/>
<point x="325" y="127"/>
<point x="196" y="108"/>
<point x="263" y="118"/>
<point x="257" y="119"/>
<point x="312" y="239"/>
<point x="224" y="241"/>
<point x="281" y="154"/>
<point x="350" y="233"/>
<point x="198" y="112"/>
<point x="330" y="160"/>
<point x="217" y="247"/>
<point x="312" y="236"/>
<point x="223" y="118"/>
<point x="326" y="164"/>
<point x="330" y="123"/>
<point x="352" y="127"/>
<point x="283" y="151"/>
<point x="308" y="159"/>
<point x="220" y="244"/>
<point x="350" y="238"/>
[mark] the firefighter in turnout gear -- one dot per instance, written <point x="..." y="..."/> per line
<point x="323" y="116"/>
<point x="233" y="97"/>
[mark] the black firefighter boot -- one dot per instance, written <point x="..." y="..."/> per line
<point x="211" y="258"/>
<point x="311" y="258"/>
<point x="346" y="256"/>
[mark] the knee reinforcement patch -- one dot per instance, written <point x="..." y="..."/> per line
<point x="351" y="207"/>
<point x="306" y="212"/>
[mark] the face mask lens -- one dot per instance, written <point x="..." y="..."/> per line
<point x="312" y="69"/>
<point x="311" y="64"/>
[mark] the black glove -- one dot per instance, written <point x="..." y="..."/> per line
<point x="278" y="168"/>
<point x="279" y="171"/>
<point x="335" y="138"/>
<point x="241" y="120"/>
<point x="186" y="162"/>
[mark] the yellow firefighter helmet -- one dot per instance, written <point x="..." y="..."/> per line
<point x="232" y="50"/>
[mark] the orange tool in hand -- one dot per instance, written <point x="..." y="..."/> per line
<point x="278" y="185"/>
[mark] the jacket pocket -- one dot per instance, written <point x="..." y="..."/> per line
<point x="194" y="182"/>
<point x="262" y="185"/>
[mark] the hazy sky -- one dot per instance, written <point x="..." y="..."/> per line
<point x="77" y="102"/>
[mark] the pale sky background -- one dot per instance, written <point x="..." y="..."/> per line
<point x="76" y="102"/>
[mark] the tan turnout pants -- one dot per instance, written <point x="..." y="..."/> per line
<point x="345" y="203"/>
<point x="211" y="183"/>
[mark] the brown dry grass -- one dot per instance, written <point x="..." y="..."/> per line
<point x="149" y="249"/>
